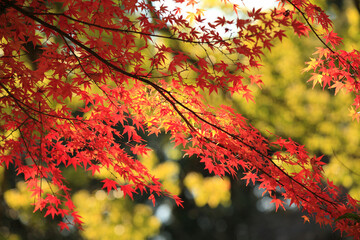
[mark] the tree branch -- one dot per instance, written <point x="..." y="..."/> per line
<point x="168" y="97"/>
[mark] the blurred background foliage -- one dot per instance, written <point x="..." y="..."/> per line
<point x="216" y="208"/>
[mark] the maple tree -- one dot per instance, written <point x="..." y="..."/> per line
<point x="110" y="56"/>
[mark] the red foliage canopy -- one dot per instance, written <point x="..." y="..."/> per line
<point x="108" y="57"/>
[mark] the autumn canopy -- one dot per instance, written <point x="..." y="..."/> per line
<point x="121" y="61"/>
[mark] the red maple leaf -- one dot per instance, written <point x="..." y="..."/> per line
<point x="152" y="198"/>
<point x="332" y="38"/>
<point x="51" y="210"/>
<point x="63" y="226"/>
<point x="109" y="184"/>
<point x="250" y="176"/>
<point x="278" y="202"/>
<point x="299" y="28"/>
<point x="280" y="34"/>
<point x="128" y="190"/>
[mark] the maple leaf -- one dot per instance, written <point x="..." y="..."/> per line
<point x="76" y="219"/>
<point x="130" y="130"/>
<point x="7" y="159"/>
<point x="322" y="52"/>
<point x="280" y="34"/>
<point x="128" y="190"/>
<point x="63" y="226"/>
<point x="154" y="130"/>
<point x="109" y="184"/>
<point x="326" y="79"/>
<point x="332" y="38"/>
<point x="316" y="78"/>
<point x="178" y="201"/>
<point x="73" y="161"/>
<point x="51" y="211"/>
<point x="354" y="114"/>
<point x="256" y="79"/>
<point x="63" y="212"/>
<point x="306" y="218"/>
<point x="70" y="204"/>
<point x="250" y="176"/>
<point x="338" y="86"/>
<point x="200" y="12"/>
<point x="220" y="21"/>
<point x="199" y="19"/>
<point x="235" y="8"/>
<point x="208" y="164"/>
<point x="241" y="23"/>
<point x="191" y="16"/>
<point x="140" y="149"/>
<point x="179" y="138"/>
<point x="152" y="198"/>
<point x="312" y="64"/>
<point x="53" y="200"/>
<point x="299" y="28"/>
<point x="268" y="44"/>
<point x="278" y="202"/>
<point x="94" y="168"/>
<point x="39" y="205"/>
<point x="191" y="2"/>
<point x="248" y="96"/>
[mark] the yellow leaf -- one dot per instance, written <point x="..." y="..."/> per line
<point x="312" y="64"/>
<point x="316" y="78"/>
<point x="306" y="218"/>
<point x="191" y="16"/>
<point x="200" y="12"/>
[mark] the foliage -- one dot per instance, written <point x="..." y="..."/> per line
<point x="203" y="190"/>
<point x="111" y="57"/>
<point x="126" y="221"/>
